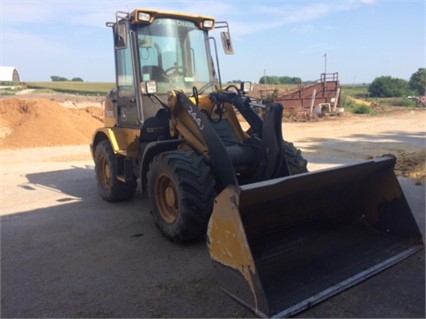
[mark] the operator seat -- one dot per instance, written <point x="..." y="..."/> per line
<point x="156" y="73"/>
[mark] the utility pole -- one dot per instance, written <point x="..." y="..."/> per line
<point x="325" y="74"/>
<point x="325" y="64"/>
<point x="262" y="94"/>
<point x="264" y="77"/>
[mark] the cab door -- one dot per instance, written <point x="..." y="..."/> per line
<point x="126" y="103"/>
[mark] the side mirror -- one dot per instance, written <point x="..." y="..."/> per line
<point x="246" y="87"/>
<point x="228" y="48"/>
<point x="120" y="35"/>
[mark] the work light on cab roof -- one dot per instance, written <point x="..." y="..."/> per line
<point x="148" y="16"/>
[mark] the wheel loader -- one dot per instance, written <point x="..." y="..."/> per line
<point x="281" y="239"/>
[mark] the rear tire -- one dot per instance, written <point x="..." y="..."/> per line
<point x="296" y="164"/>
<point x="110" y="188"/>
<point x="181" y="192"/>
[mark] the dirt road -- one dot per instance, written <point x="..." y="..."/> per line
<point x="67" y="253"/>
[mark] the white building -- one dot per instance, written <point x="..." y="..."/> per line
<point x="9" y="74"/>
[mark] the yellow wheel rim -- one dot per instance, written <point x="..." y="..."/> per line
<point x="167" y="199"/>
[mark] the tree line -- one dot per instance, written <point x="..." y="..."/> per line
<point x="273" y="79"/>
<point x="56" y="78"/>
<point x="387" y="86"/>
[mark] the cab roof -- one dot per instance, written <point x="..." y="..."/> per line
<point x="198" y="19"/>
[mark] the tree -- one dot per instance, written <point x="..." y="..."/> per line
<point x="279" y="80"/>
<point x="56" y="78"/>
<point x="77" y="80"/>
<point x="269" y="80"/>
<point x="417" y="81"/>
<point x="289" y="80"/>
<point x="386" y="86"/>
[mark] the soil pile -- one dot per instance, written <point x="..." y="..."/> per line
<point x="412" y="165"/>
<point x="41" y="122"/>
<point x="38" y="122"/>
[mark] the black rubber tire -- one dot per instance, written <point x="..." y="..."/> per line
<point x="295" y="162"/>
<point x="181" y="191"/>
<point x="110" y="188"/>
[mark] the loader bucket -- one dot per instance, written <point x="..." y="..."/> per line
<point x="284" y="245"/>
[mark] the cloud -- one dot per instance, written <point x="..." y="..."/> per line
<point x="18" y="14"/>
<point x="267" y="17"/>
<point x="306" y="28"/>
<point x="247" y="16"/>
<point x="52" y="29"/>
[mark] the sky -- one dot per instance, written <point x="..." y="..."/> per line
<point x="359" y="39"/>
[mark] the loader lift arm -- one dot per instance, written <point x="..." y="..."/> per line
<point x="220" y="160"/>
<point x="269" y="129"/>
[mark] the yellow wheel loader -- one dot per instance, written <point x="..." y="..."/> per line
<point x="281" y="239"/>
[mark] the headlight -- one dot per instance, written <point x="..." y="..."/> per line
<point x="208" y="24"/>
<point x="143" y="16"/>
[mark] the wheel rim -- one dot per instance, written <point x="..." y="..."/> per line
<point x="105" y="172"/>
<point x="167" y="199"/>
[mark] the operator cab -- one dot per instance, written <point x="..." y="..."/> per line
<point x="171" y="49"/>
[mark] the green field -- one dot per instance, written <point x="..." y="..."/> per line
<point x="358" y="91"/>
<point x="85" y="88"/>
<point x="102" y="88"/>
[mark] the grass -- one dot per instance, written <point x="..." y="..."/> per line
<point x="102" y="88"/>
<point x="83" y="88"/>
<point x="359" y="109"/>
<point x="357" y="91"/>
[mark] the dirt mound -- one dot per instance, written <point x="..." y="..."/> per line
<point x="95" y="112"/>
<point x="412" y="165"/>
<point x="35" y="122"/>
<point x="41" y="122"/>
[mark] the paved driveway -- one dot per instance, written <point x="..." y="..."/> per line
<point x="67" y="253"/>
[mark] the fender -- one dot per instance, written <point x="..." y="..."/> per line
<point x="124" y="141"/>
<point x="149" y="151"/>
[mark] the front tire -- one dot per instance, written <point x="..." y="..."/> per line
<point x="295" y="162"/>
<point x="110" y="188"/>
<point x="181" y="193"/>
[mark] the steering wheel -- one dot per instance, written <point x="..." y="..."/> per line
<point x="233" y="86"/>
<point x="175" y="70"/>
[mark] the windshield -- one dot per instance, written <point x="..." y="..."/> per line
<point x="173" y="53"/>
